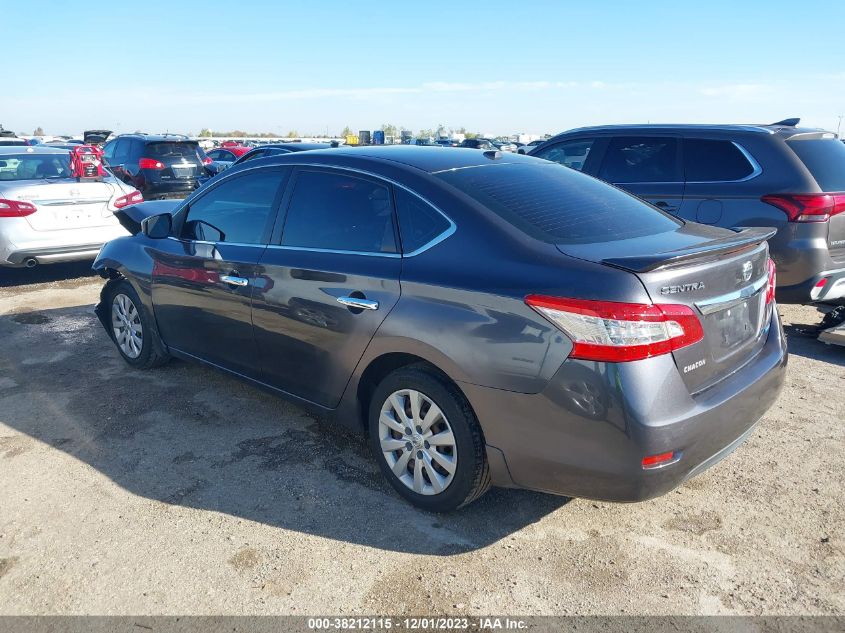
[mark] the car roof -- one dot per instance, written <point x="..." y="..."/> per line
<point x="31" y="149"/>
<point x="176" y="138"/>
<point x="427" y="158"/>
<point x="296" y="147"/>
<point x="686" y="128"/>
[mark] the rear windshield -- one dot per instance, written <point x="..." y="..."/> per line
<point x="172" y="150"/>
<point x="559" y="205"/>
<point x="825" y="158"/>
<point x="34" y="166"/>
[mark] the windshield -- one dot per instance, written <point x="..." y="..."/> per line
<point x="559" y="205"/>
<point x="34" y="166"/>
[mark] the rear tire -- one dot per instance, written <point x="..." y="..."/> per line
<point x="441" y="464"/>
<point x="131" y="328"/>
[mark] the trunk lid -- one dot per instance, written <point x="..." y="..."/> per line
<point x="181" y="160"/>
<point x="95" y="137"/>
<point x="722" y="275"/>
<point x="68" y="204"/>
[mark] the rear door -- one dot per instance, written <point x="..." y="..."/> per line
<point x="326" y="283"/>
<point x="204" y="277"/>
<point x="647" y="166"/>
<point x="717" y="175"/>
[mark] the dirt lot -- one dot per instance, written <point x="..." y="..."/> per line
<point x="183" y="491"/>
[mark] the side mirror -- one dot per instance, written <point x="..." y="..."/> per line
<point x="157" y="227"/>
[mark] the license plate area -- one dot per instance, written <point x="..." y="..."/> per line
<point x="183" y="171"/>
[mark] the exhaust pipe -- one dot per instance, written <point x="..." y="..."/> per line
<point x="31" y="262"/>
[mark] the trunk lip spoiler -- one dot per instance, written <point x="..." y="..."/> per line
<point x="744" y="238"/>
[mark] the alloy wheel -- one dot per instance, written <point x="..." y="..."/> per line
<point x="126" y="323"/>
<point x="417" y="442"/>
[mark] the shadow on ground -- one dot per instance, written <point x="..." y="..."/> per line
<point x="802" y="339"/>
<point x="49" y="273"/>
<point x="188" y="436"/>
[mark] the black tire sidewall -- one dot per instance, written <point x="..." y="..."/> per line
<point x="460" y="418"/>
<point x="125" y="288"/>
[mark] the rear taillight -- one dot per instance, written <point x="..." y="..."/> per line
<point x="807" y="207"/>
<point x="16" y="208"/>
<point x="150" y="163"/>
<point x="207" y="161"/>
<point x="618" y="332"/>
<point x="130" y="198"/>
<point x="770" y="287"/>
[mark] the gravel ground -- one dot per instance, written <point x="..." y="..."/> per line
<point x="183" y="491"/>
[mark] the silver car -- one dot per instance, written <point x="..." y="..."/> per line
<point x="48" y="216"/>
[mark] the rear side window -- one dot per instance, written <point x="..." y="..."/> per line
<point x="569" y="153"/>
<point x="641" y="159"/>
<point x="419" y="222"/>
<point x="559" y="205"/>
<point x="707" y="160"/>
<point x="237" y="210"/>
<point x="337" y="212"/>
<point x="825" y="158"/>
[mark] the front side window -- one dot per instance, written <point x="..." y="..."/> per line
<point x="641" y="160"/>
<point x="121" y="150"/>
<point x="237" y="210"/>
<point x="569" y="153"/>
<point x="334" y="211"/>
<point x="707" y="160"/>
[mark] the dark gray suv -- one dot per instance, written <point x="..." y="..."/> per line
<point x="778" y="175"/>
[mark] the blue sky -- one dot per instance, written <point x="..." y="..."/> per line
<point x="493" y="67"/>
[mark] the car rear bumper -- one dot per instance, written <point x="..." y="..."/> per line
<point x="173" y="189"/>
<point x="807" y="291"/>
<point x="51" y="255"/>
<point x="586" y="434"/>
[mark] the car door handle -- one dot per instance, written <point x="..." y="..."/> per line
<point x="234" y="281"/>
<point x="356" y="302"/>
<point x="665" y="205"/>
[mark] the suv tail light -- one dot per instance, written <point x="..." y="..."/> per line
<point x="130" y="198"/>
<point x="16" y="208"/>
<point x="207" y="160"/>
<point x="807" y="207"/>
<point x="618" y="332"/>
<point x="770" y="288"/>
<point x="150" y="163"/>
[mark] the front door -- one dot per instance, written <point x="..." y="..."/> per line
<point x="203" y="278"/>
<point x="326" y="283"/>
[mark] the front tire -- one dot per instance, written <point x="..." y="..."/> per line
<point x="131" y="328"/>
<point x="427" y="440"/>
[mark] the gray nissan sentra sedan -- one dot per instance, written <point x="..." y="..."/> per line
<point x="47" y="215"/>
<point x="485" y="318"/>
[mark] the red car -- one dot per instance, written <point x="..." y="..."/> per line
<point x="228" y="151"/>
